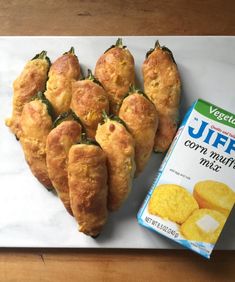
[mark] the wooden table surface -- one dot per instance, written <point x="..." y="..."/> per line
<point x="183" y="17"/>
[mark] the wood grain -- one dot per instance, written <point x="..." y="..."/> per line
<point x="182" y="17"/>
<point x="169" y="17"/>
<point x="114" y="265"/>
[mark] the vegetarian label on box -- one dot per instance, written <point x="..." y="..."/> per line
<point x="194" y="190"/>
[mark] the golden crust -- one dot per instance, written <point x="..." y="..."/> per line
<point x="172" y="202"/>
<point x="59" y="141"/>
<point x="162" y="85"/>
<point x="66" y="65"/>
<point x="141" y="118"/>
<point x="119" y="147"/>
<point x="167" y="128"/>
<point x="63" y="72"/>
<point x="35" y="124"/>
<point x="31" y="80"/>
<point x="115" y="70"/>
<point x="214" y="195"/>
<point x="191" y="231"/>
<point x="87" y="173"/>
<point x="88" y="101"/>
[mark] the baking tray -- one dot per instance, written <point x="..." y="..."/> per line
<point x="30" y="216"/>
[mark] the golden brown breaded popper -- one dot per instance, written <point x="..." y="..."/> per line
<point x="87" y="174"/>
<point x="36" y="123"/>
<point x="63" y="72"/>
<point x="116" y="71"/>
<point x="89" y="100"/>
<point x="140" y="116"/>
<point x="119" y="147"/>
<point x="162" y="85"/>
<point x="31" y="80"/>
<point x="59" y="141"/>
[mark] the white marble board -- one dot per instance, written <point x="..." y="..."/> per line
<point x="32" y="217"/>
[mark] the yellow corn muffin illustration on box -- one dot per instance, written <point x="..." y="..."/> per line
<point x="214" y="195"/>
<point x="204" y="225"/>
<point x="172" y="202"/>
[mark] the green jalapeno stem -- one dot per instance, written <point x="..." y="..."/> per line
<point x="105" y="116"/>
<point x="114" y="118"/>
<point x="118" y="44"/>
<point x="71" y="51"/>
<point x="69" y="115"/>
<point x="41" y="97"/>
<point x="133" y="89"/>
<point x="164" y="48"/>
<point x="61" y="118"/>
<point x="88" y="141"/>
<point x="157" y="44"/>
<point x="91" y="77"/>
<point x="42" y="56"/>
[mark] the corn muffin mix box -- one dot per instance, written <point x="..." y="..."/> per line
<point x="194" y="190"/>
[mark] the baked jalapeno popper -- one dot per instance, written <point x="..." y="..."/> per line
<point x="119" y="147"/>
<point x="36" y="123"/>
<point x="63" y="72"/>
<point x="31" y="80"/>
<point x="116" y="71"/>
<point x="162" y="85"/>
<point x="66" y="132"/>
<point x="89" y="100"/>
<point x="87" y="174"/>
<point x="140" y="116"/>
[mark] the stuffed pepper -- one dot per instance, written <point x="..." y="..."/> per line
<point x="119" y="147"/>
<point x="89" y="100"/>
<point x="87" y="174"/>
<point x="63" y="72"/>
<point x="67" y="132"/>
<point x="116" y="71"/>
<point x="31" y="80"/>
<point x="36" y="123"/>
<point x="162" y="85"/>
<point x="140" y="116"/>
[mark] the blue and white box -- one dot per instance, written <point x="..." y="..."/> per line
<point x="194" y="190"/>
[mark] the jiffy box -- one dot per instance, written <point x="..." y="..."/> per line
<point x="194" y="190"/>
